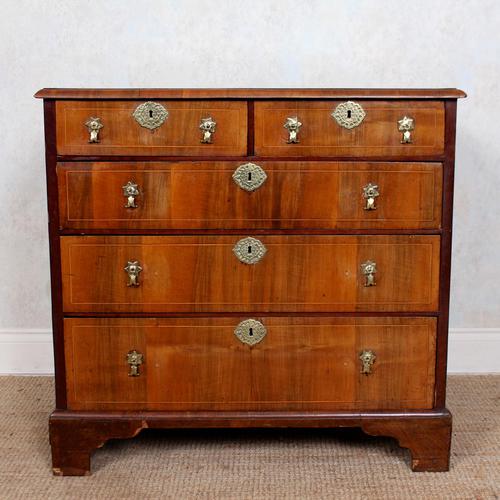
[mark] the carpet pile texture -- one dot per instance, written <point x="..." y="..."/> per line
<point x="251" y="464"/>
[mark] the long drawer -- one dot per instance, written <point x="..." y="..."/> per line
<point x="176" y="128"/>
<point x="379" y="131"/>
<point x="242" y="273"/>
<point x="298" y="364"/>
<point x="237" y="195"/>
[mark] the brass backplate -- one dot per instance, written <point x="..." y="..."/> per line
<point x="150" y="115"/>
<point x="249" y="250"/>
<point x="349" y="114"/>
<point x="250" y="331"/>
<point x="249" y="176"/>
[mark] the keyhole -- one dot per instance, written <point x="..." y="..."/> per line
<point x="250" y="332"/>
<point x="250" y="249"/>
<point x="348" y="113"/>
<point x="151" y="113"/>
<point x="249" y="176"/>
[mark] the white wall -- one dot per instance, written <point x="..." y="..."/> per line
<point x="258" y="43"/>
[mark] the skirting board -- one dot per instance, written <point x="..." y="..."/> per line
<point x="29" y="352"/>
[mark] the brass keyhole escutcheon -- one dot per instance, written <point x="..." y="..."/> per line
<point x="250" y="331"/>
<point x="150" y="115"/>
<point x="348" y="114"/>
<point x="249" y="250"/>
<point x="249" y="176"/>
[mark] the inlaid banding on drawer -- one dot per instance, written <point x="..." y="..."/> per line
<point x="378" y="134"/>
<point x="294" y="195"/>
<point x="297" y="273"/>
<point x="180" y="134"/>
<point x="199" y="364"/>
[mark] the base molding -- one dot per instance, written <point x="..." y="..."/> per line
<point x="75" y="435"/>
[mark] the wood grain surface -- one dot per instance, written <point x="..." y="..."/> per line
<point x="321" y="135"/>
<point x="248" y="93"/>
<point x="178" y="135"/>
<point x="295" y="195"/>
<point x="202" y="274"/>
<point x="302" y="363"/>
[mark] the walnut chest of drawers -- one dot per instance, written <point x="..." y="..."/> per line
<point x="250" y="258"/>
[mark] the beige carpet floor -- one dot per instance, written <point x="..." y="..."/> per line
<point x="243" y="464"/>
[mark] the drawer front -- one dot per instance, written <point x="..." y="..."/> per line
<point x="179" y="134"/>
<point x="287" y="195"/>
<point x="377" y="135"/>
<point x="300" y="363"/>
<point x="203" y="273"/>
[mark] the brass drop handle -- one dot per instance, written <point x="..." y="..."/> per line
<point x="406" y="125"/>
<point x="130" y="191"/>
<point x="369" y="269"/>
<point x="133" y="270"/>
<point x="370" y="192"/>
<point x="94" y="125"/>
<point x="367" y="359"/>
<point x="292" y="124"/>
<point x="207" y="127"/>
<point x="134" y="359"/>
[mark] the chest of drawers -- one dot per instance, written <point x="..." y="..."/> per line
<point x="250" y="258"/>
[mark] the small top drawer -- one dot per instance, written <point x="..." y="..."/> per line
<point x="204" y="128"/>
<point x="349" y="128"/>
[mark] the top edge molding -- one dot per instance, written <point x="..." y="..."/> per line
<point x="297" y="93"/>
